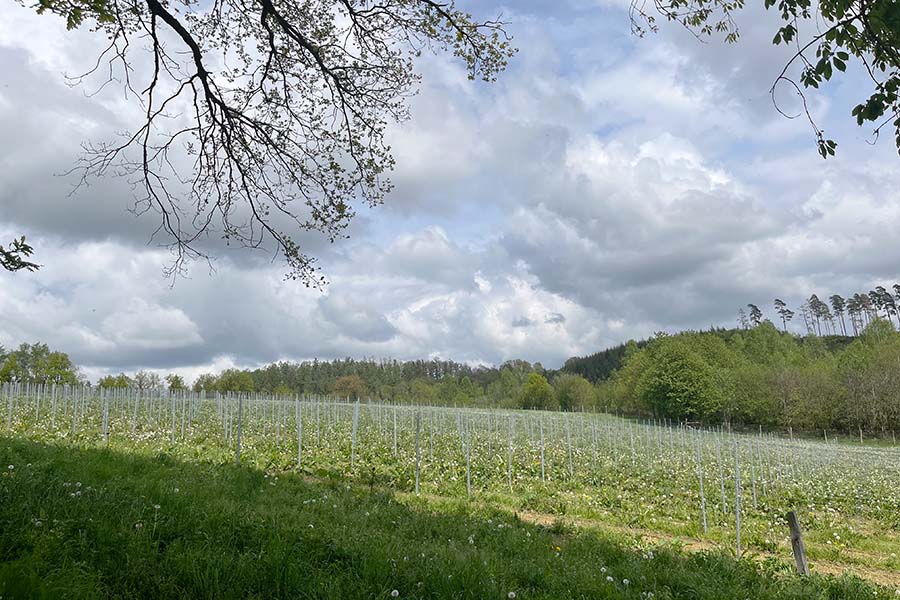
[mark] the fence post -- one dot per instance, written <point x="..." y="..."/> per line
<point x="737" y="499"/>
<point x="418" y="429"/>
<point x="355" y="427"/>
<point x="700" y="476"/>
<point x="298" y="414"/>
<point x="797" y="544"/>
<point x="237" y="450"/>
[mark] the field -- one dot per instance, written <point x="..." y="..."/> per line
<point x="128" y="494"/>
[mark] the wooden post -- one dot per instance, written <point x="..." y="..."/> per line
<point x="797" y="544"/>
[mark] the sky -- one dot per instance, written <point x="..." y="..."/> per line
<point x="606" y="187"/>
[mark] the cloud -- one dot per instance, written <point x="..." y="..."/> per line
<point x="355" y="319"/>
<point x="606" y="188"/>
<point x="150" y="327"/>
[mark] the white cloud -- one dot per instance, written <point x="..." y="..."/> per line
<point x="605" y="188"/>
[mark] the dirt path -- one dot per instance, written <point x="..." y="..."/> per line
<point x="885" y="577"/>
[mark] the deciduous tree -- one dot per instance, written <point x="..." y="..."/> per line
<point x="262" y="119"/>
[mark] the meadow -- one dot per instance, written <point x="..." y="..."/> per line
<point x="123" y="493"/>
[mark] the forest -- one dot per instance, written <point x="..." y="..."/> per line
<point x="760" y="376"/>
<point x="754" y="375"/>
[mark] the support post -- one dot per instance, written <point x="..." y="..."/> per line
<point x="797" y="544"/>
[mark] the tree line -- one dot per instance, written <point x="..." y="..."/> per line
<point x="514" y="384"/>
<point x="36" y="363"/>
<point x="763" y="376"/>
<point x="754" y="376"/>
<point x="827" y="317"/>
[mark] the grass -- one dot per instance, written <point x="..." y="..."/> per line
<point x="82" y="522"/>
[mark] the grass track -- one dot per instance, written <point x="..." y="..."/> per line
<point x="84" y="523"/>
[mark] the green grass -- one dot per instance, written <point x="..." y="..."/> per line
<point x="81" y="522"/>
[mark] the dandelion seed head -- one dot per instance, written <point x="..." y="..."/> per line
<point x="394" y="593"/>
<point x="511" y="595"/>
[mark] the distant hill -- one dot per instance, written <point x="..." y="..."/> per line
<point x="600" y="365"/>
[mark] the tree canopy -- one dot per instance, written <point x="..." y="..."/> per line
<point x="824" y="36"/>
<point x="15" y="256"/>
<point x="764" y="376"/>
<point x="262" y="119"/>
<point x="36" y="363"/>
